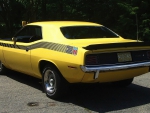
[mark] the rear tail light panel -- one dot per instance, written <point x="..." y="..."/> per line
<point x="91" y="60"/>
<point x="112" y="58"/>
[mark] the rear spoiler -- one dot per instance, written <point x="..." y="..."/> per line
<point x="116" y="45"/>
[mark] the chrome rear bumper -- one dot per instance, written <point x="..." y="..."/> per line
<point x="97" y="69"/>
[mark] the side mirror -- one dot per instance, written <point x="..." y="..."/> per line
<point x="14" y="39"/>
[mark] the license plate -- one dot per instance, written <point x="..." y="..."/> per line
<point x="124" y="57"/>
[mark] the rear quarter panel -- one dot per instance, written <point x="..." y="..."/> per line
<point x="68" y="64"/>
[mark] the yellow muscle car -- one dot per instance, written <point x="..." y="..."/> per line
<point x="63" y="52"/>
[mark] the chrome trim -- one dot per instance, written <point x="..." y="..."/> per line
<point x="96" y="75"/>
<point x="113" y="67"/>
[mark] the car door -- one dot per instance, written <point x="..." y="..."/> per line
<point x="18" y="56"/>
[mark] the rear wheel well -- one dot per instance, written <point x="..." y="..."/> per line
<point x="44" y="63"/>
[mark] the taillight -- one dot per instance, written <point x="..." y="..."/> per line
<point x="91" y="60"/>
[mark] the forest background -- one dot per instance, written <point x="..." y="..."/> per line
<point x="129" y="18"/>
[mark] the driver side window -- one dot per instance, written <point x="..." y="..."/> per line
<point x="29" y="34"/>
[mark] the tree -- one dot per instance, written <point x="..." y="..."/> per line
<point x="124" y="17"/>
<point x="11" y="14"/>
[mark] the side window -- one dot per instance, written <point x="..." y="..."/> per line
<point x="29" y="34"/>
<point x="37" y="34"/>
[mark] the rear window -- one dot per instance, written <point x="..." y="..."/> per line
<point x="85" y="32"/>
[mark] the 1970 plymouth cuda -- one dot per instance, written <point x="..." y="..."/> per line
<point x="63" y="52"/>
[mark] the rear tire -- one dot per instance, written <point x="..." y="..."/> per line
<point x="123" y="83"/>
<point x="54" y="84"/>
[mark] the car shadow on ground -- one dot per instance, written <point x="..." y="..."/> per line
<point x="105" y="98"/>
<point x="96" y="97"/>
<point x="25" y="79"/>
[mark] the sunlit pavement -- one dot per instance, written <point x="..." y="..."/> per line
<point x="23" y="94"/>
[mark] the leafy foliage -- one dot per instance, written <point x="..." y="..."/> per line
<point x="124" y="17"/>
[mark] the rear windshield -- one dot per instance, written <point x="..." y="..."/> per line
<point x="84" y="32"/>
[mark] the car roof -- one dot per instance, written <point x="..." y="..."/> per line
<point x="64" y="23"/>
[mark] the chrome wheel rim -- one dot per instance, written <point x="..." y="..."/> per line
<point x="50" y="82"/>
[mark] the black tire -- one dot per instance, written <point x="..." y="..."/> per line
<point x="3" y="69"/>
<point x="123" y="83"/>
<point x="54" y="84"/>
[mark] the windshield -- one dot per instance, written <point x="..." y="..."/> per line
<point x="84" y="32"/>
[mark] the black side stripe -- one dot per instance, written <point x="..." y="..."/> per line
<point x="47" y="45"/>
